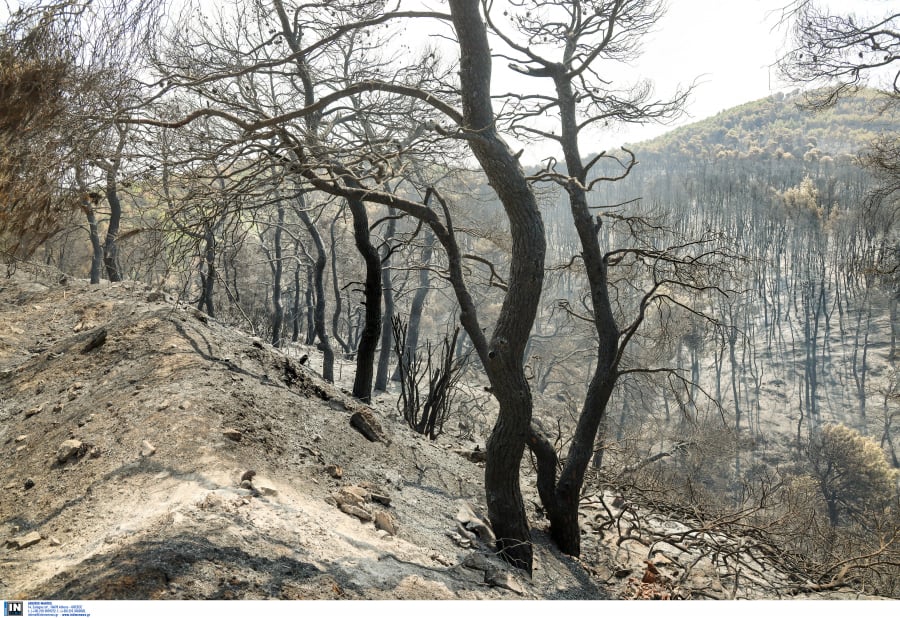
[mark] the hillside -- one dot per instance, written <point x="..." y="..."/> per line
<point x="778" y="127"/>
<point x="129" y="423"/>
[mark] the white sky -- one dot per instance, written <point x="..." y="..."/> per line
<point x="727" y="47"/>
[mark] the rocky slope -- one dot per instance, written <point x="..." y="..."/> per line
<point x="150" y="452"/>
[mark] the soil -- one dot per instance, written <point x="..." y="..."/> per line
<point x="170" y="410"/>
<point x="150" y="452"/>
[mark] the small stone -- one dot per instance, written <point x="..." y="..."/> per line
<point x="55" y="542"/>
<point x="380" y="499"/>
<point x="67" y="450"/>
<point x="32" y="538"/>
<point x="35" y="410"/>
<point x="158" y="296"/>
<point x="334" y="471"/>
<point x="353" y="494"/>
<point x="384" y="521"/>
<point x="356" y="511"/>
<point x="233" y="434"/>
<point x="264" y="486"/>
<point x="147" y="449"/>
<point x="29" y="483"/>
<point x="246" y="485"/>
<point x="502" y="579"/>
<point x="364" y="422"/>
<point x="95" y="452"/>
<point x="162" y="405"/>
<point x="184" y="405"/>
<point x="22" y="438"/>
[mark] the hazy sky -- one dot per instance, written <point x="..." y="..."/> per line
<point x="728" y="46"/>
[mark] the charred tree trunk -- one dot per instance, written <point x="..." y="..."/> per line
<point x="503" y="357"/>
<point x="110" y="244"/>
<point x="560" y="496"/>
<point x="336" y="286"/>
<point x="296" y="311"/>
<point x="324" y="344"/>
<point x="384" y="355"/>
<point x="371" y="331"/>
<point x="277" y="273"/>
<point x="418" y="302"/>
<point x="208" y="272"/>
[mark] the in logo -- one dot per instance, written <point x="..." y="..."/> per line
<point x="13" y="608"/>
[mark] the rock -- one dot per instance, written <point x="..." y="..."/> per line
<point x="55" y="542"/>
<point x="471" y="522"/>
<point x="264" y="486"/>
<point x="475" y="455"/>
<point x="334" y="471"/>
<point x="385" y="521"/>
<point x="502" y="579"/>
<point x="440" y="558"/>
<point x="184" y="405"/>
<point x="94" y="452"/>
<point x="380" y="499"/>
<point x="29" y="483"/>
<point x="233" y="434"/>
<point x="460" y="540"/>
<point x="147" y="449"/>
<point x="157" y="296"/>
<point x="67" y="450"/>
<point x="96" y="340"/>
<point x="337" y="404"/>
<point x="356" y="511"/>
<point x="22" y="438"/>
<point x="32" y="538"/>
<point x="351" y="495"/>
<point x="478" y="562"/>
<point x="364" y="422"/>
<point x="35" y="410"/>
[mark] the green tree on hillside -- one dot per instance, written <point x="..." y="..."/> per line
<point x="852" y="471"/>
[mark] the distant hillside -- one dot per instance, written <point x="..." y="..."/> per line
<point x="777" y="127"/>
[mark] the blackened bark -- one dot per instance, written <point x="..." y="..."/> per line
<point x="560" y="497"/>
<point x="368" y="341"/>
<point x="295" y="306"/>
<point x="110" y="244"/>
<point x="336" y="285"/>
<point x="208" y="273"/>
<point x="96" y="246"/>
<point x="418" y="302"/>
<point x="384" y="355"/>
<point x="324" y="344"/>
<point x="503" y="359"/>
<point x="310" y="306"/>
<point x="277" y="273"/>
